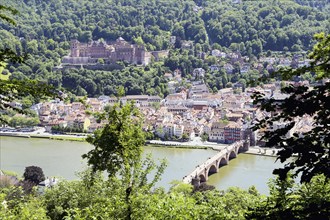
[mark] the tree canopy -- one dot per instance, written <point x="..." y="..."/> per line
<point x="13" y="90"/>
<point x="118" y="146"/>
<point x="118" y="151"/>
<point x="34" y="174"/>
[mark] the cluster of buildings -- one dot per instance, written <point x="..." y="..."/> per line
<point x="224" y="117"/>
<point x="175" y="117"/>
<point x="234" y="61"/>
<point x="78" y="116"/>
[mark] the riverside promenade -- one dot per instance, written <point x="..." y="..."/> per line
<point x="260" y="151"/>
<point x="41" y="133"/>
<point x="196" y="143"/>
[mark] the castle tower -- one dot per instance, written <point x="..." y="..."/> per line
<point x="75" y="48"/>
<point x="141" y="55"/>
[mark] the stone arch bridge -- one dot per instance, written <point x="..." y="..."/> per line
<point x="213" y="164"/>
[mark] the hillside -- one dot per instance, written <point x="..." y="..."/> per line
<point x="45" y="28"/>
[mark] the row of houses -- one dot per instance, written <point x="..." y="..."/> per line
<point x="77" y="116"/>
<point x="189" y="113"/>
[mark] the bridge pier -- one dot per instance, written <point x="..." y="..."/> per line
<point x="246" y="145"/>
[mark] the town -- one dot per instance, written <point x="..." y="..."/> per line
<point x="191" y="109"/>
<point x="224" y="117"/>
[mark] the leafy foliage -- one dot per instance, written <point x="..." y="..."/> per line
<point x="134" y="80"/>
<point x="289" y="201"/>
<point x="118" y="151"/>
<point x="12" y="90"/>
<point x="5" y="17"/>
<point x="118" y="146"/>
<point x="262" y="25"/>
<point x="16" y="205"/>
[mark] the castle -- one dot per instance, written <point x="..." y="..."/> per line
<point x="120" y="50"/>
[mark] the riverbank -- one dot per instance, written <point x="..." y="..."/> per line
<point x="44" y="136"/>
<point x="152" y="143"/>
<point x="193" y="144"/>
<point x="155" y="143"/>
<point x="180" y="146"/>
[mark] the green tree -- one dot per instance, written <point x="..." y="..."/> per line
<point x="185" y="137"/>
<point x="118" y="151"/>
<point x="34" y="174"/>
<point x="205" y="137"/>
<point x="288" y="200"/>
<point x="12" y="90"/>
<point x="100" y="61"/>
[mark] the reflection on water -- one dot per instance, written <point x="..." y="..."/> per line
<point x="63" y="158"/>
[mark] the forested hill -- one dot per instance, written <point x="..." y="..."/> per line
<point x="260" y="25"/>
<point x="45" y="27"/>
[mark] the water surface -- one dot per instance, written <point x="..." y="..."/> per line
<point x="63" y="158"/>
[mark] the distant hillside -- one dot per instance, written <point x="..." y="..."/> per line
<point x="45" y="27"/>
<point x="264" y="25"/>
<point x="260" y="25"/>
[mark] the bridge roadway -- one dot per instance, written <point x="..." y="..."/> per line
<point x="212" y="164"/>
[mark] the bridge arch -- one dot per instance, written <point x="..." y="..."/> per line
<point x="213" y="169"/>
<point x="223" y="162"/>
<point x="202" y="178"/>
<point x="232" y="155"/>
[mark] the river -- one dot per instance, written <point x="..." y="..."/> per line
<point x="63" y="158"/>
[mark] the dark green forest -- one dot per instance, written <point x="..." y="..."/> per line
<point x="45" y="28"/>
<point x="271" y="24"/>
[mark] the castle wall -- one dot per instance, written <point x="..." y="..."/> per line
<point x="121" y="50"/>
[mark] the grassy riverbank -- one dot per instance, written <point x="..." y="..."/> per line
<point x="179" y="146"/>
<point x="60" y="138"/>
<point x="50" y="137"/>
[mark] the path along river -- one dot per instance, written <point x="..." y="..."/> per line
<point x="63" y="158"/>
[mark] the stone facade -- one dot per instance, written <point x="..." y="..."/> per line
<point x="121" y="50"/>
